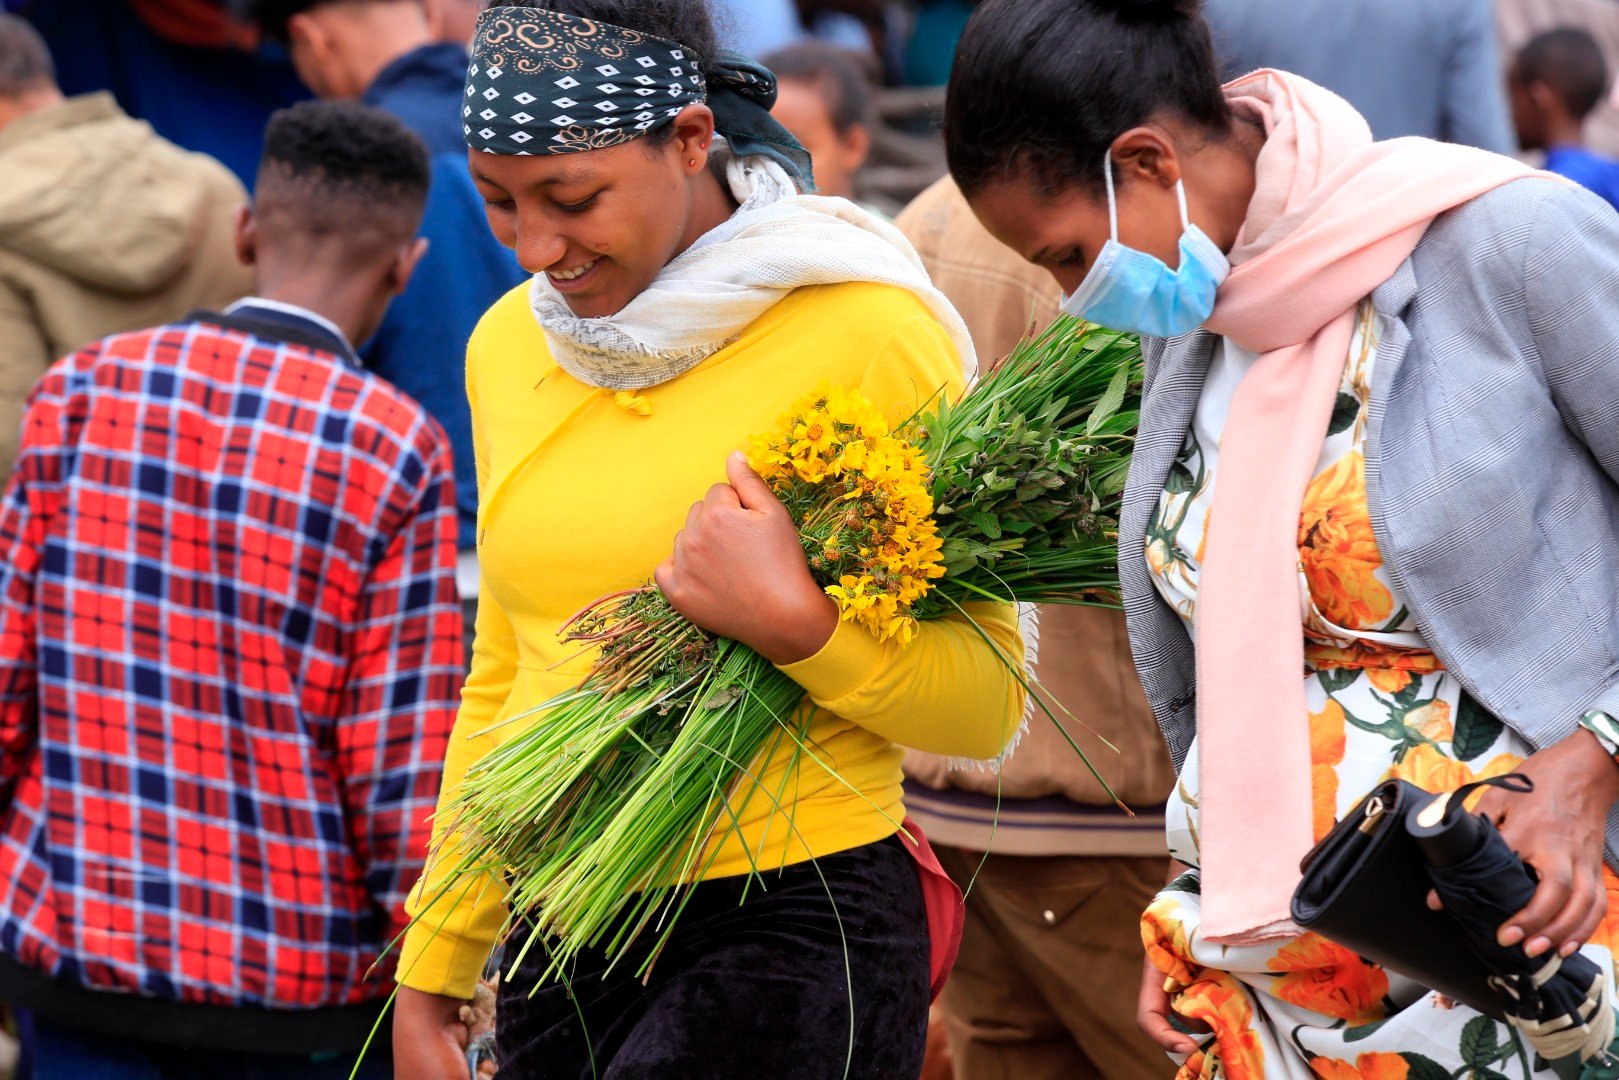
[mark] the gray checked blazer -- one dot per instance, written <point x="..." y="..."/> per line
<point x="1492" y="463"/>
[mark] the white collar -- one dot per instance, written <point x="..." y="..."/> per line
<point x="291" y="309"/>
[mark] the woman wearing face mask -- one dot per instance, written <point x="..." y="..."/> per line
<point x="685" y="295"/>
<point x="1380" y="446"/>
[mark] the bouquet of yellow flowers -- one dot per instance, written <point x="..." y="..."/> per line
<point x="860" y="497"/>
<point x="600" y="814"/>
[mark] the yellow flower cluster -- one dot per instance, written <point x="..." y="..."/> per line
<point x="859" y="493"/>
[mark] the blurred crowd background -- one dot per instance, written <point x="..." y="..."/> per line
<point x="127" y="145"/>
<point x="203" y="74"/>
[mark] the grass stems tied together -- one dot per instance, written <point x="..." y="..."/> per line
<point x="618" y="794"/>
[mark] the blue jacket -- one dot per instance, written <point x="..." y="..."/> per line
<point x="1591" y="171"/>
<point x="421" y="346"/>
<point x="1412" y="67"/>
<point x="423" y="88"/>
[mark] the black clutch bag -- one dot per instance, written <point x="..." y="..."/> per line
<point x="1365" y="887"/>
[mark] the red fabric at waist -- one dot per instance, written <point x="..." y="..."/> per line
<point x="946" y="908"/>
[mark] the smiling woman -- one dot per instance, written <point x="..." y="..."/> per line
<point x="602" y="231"/>
<point x="686" y="293"/>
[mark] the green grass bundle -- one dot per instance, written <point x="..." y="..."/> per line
<point x="618" y="794"/>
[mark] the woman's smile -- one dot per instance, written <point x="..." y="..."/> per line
<point x="575" y="278"/>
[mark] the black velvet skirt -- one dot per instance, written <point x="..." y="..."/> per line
<point x="757" y="989"/>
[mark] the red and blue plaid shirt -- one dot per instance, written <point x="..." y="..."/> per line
<point x="229" y="660"/>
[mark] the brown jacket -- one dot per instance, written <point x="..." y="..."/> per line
<point x="1083" y="654"/>
<point x="104" y="227"/>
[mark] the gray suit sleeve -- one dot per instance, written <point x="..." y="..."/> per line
<point x="1474" y="109"/>
<point x="1571" y="277"/>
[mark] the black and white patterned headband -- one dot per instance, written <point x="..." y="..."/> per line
<point x="542" y="82"/>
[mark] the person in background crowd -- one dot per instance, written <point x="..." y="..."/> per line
<point x="229" y="649"/>
<point x="933" y="40"/>
<point x="823" y="96"/>
<point x="758" y="27"/>
<point x="1044" y="988"/>
<point x="1516" y="21"/>
<point x="384" y="52"/>
<point x="454" y="20"/>
<point x="190" y="68"/>
<point x="1555" y="82"/>
<point x="104" y="226"/>
<point x="1430" y="69"/>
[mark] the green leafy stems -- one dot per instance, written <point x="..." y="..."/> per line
<point x="619" y="793"/>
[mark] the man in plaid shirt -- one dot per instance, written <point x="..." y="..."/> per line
<point x="230" y="650"/>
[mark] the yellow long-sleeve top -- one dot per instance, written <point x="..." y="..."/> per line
<point x="580" y="497"/>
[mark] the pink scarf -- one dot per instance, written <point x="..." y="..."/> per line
<point x="1333" y="216"/>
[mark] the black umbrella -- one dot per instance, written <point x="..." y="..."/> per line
<point x="1562" y="1006"/>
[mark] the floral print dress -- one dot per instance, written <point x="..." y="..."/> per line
<point x="1379" y="705"/>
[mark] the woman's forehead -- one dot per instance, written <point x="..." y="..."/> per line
<point x="546" y="170"/>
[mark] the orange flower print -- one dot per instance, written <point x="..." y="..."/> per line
<point x="1387" y="667"/>
<point x="1366" y="1067"/>
<point x="1222" y="1004"/>
<point x="1164" y="936"/>
<point x="1199" y="1066"/>
<point x="1326" y="752"/>
<point x="1389" y="680"/>
<point x="1327" y="734"/>
<point x="1499" y="765"/>
<point x="1327" y="978"/>
<point x="1159" y="559"/>
<point x="1338" y="551"/>
<point x="1429" y="769"/>
<point x="1433" y="721"/>
<point x="1607" y="933"/>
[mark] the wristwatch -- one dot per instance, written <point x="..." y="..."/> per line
<point x="1605" y="728"/>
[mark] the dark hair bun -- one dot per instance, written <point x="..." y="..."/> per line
<point x="1157" y="11"/>
<point x="1020" y="104"/>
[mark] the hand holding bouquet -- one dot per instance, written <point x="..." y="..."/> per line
<point x="602" y="811"/>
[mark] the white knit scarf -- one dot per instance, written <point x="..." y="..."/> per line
<point x="777" y="241"/>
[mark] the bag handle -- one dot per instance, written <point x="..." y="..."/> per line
<point x="1517" y="783"/>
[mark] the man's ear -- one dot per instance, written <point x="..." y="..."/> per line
<point x="857" y="145"/>
<point x="405" y="263"/>
<point x="247" y="236"/>
<point x="1544" y="98"/>
<point x="311" y="49"/>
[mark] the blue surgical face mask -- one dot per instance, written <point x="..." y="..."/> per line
<point x="1130" y="290"/>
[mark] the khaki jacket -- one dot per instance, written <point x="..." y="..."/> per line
<point x="104" y="227"/>
<point x="1084" y="655"/>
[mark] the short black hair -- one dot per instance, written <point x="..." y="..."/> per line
<point x="1568" y="61"/>
<point x="25" y="62"/>
<point x="339" y="168"/>
<point x="840" y="76"/>
<point x="1043" y="87"/>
